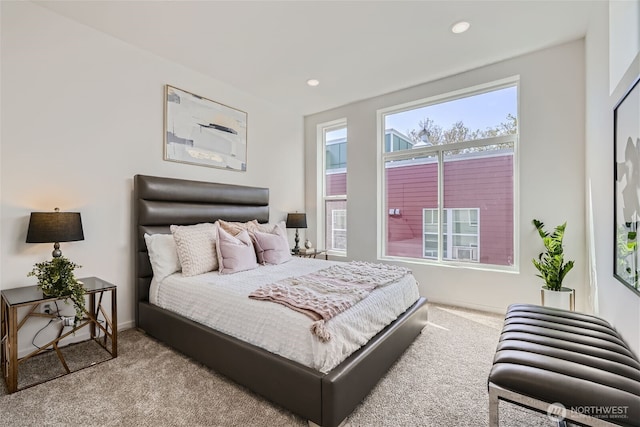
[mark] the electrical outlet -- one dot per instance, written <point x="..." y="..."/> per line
<point x="68" y="321"/>
<point x="46" y="309"/>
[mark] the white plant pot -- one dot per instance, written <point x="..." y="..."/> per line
<point x="563" y="299"/>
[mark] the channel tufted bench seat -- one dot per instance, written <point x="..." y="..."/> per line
<point x="570" y="365"/>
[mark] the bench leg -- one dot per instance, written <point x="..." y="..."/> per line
<point x="497" y="393"/>
<point x="493" y="408"/>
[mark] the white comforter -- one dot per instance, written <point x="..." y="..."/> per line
<point x="222" y="303"/>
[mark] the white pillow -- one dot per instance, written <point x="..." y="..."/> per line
<point x="235" y="253"/>
<point x="162" y="254"/>
<point x="196" y="246"/>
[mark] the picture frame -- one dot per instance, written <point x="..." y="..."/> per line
<point x="203" y="132"/>
<point x="626" y="136"/>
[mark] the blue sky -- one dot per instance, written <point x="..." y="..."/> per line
<point x="476" y="112"/>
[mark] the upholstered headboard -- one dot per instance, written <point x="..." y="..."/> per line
<point x="160" y="202"/>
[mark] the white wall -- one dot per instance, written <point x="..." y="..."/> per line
<point x="624" y="38"/>
<point x="607" y="67"/>
<point x="82" y="113"/>
<point x="551" y="175"/>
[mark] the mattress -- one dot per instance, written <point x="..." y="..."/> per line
<point x="221" y="302"/>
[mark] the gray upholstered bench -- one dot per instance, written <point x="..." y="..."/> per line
<point x="571" y="365"/>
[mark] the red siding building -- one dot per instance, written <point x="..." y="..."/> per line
<point x="479" y="185"/>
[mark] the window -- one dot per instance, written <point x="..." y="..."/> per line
<point x="448" y="177"/>
<point x="336" y="154"/>
<point x="430" y="239"/>
<point x="339" y="229"/>
<point x="334" y="142"/>
<point x="395" y="141"/>
<point x="460" y="234"/>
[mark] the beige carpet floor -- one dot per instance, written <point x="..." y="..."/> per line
<point x="439" y="381"/>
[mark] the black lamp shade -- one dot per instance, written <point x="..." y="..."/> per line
<point x="296" y="220"/>
<point x="53" y="227"/>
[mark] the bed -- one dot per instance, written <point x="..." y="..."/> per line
<point x="324" y="399"/>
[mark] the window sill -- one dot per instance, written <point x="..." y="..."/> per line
<point x="337" y="254"/>
<point x="513" y="269"/>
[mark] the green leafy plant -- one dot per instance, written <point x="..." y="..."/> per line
<point x="550" y="263"/>
<point x="56" y="279"/>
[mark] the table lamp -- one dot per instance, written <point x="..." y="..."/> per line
<point x="55" y="227"/>
<point x="296" y="220"/>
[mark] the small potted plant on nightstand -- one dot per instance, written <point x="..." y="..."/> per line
<point x="553" y="268"/>
<point x="56" y="279"/>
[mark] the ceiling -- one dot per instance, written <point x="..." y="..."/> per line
<point x="357" y="49"/>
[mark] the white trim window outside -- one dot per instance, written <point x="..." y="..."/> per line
<point x="448" y="174"/>
<point x="460" y="236"/>
<point x="333" y="139"/>
<point x="339" y="230"/>
<point x="431" y="228"/>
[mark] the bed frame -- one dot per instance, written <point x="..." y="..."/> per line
<point x="323" y="399"/>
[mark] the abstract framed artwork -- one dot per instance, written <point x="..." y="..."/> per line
<point x="203" y="132"/>
<point x="626" y="135"/>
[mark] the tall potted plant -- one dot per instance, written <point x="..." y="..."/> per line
<point x="553" y="268"/>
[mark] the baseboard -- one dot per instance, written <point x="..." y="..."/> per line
<point x="471" y="306"/>
<point x="126" y="325"/>
<point x="81" y="335"/>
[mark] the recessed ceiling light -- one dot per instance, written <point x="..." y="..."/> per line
<point x="460" y="27"/>
<point x="313" y="82"/>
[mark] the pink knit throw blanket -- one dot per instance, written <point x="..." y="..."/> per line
<point x="330" y="291"/>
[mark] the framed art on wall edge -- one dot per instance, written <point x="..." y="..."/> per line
<point x="626" y="135"/>
<point x="203" y="132"/>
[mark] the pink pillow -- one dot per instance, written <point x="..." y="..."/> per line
<point x="272" y="248"/>
<point x="236" y="227"/>
<point x="235" y="253"/>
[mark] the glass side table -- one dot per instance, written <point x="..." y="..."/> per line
<point x="311" y="253"/>
<point x="103" y="326"/>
